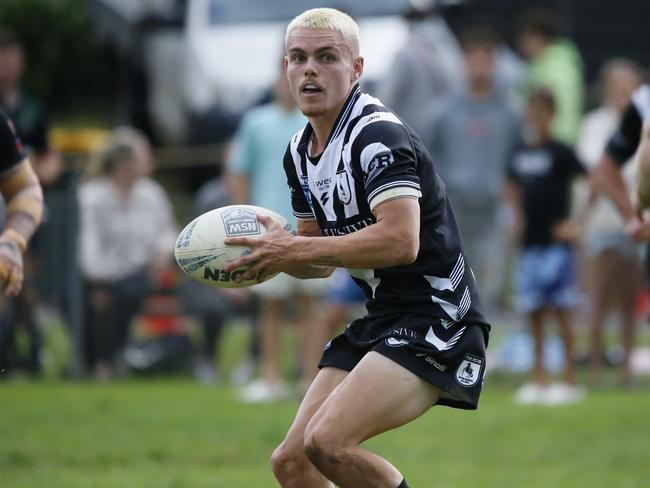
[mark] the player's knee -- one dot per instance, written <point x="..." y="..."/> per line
<point x="287" y="462"/>
<point x="321" y="448"/>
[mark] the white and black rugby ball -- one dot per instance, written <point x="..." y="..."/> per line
<point x="201" y="253"/>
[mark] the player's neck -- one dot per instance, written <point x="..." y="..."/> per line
<point x="320" y="133"/>
<point x="322" y="126"/>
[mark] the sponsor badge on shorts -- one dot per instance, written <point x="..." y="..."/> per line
<point x="469" y="371"/>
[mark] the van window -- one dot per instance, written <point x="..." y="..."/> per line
<point x="235" y="11"/>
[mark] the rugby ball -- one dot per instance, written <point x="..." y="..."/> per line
<point x="201" y="253"/>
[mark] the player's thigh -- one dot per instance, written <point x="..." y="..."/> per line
<point x="377" y="396"/>
<point x="325" y="382"/>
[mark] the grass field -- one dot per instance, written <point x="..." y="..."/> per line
<point x="174" y="433"/>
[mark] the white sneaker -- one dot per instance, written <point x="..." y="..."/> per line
<point x="530" y="394"/>
<point x="563" y="394"/>
<point x="243" y="372"/>
<point x="261" y="391"/>
<point x="206" y="372"/>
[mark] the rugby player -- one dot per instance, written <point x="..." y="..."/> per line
<point x="367" y="198"/>
<point x="24" y="207"/>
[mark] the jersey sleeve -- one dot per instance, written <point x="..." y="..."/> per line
<point x="625" y="141"/>
<point x="299" y="193"/>
<point x="10" y="148"/>
<point x="386" y="157"/>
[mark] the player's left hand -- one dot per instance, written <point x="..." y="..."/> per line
<point x="269" y="252"/>
<point x="11" y="268"/>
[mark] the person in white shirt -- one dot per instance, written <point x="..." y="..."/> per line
<point x="610" y="252"/>
<point x="127" y="234"/>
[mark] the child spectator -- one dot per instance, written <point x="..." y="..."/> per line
<point x="539" y="186"/>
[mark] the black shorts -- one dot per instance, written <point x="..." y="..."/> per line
<point x="449" y="356"/>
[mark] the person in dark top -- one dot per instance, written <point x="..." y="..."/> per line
<point x="24" y="208"/>
<point x="540" y="175"/>
<point x="30" y="122"/>
<point x="367" y="198"/>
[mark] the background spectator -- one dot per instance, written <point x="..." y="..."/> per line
<point x="427" y="67"/>
<point x="609" y="251"/>
<point x="539" y="189"/>
<point x="256" y="177"/>
<point x="470" y="134"/>
<point x="555" y="63"/>
<point x="127" y="233"/>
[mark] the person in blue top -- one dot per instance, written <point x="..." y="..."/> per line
<point x="255" y="177"/>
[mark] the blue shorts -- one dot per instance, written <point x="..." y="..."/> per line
<point x="343" y="290"/>
<point x="546" y="276"/>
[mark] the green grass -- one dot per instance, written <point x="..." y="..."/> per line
<point x="175" y="433"/>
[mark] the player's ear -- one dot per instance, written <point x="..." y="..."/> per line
<point x="357" y="68"/>
<point x="285" y="63"/>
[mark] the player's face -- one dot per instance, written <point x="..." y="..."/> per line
<point x="321" y="70"/>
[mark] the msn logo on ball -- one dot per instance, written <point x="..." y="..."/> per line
<point x="240" y="221"/>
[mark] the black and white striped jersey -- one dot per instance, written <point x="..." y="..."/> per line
<point x="625" y="141"/>
<point x="371" y="157"/>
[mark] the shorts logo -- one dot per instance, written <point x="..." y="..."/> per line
<point x="469" y="371"/>
<point x="240" y="222"/>
<point x="432" y="362"/>
<point x="395" y="342"/>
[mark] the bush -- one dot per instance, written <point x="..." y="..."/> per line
<point x="67" y="68"/>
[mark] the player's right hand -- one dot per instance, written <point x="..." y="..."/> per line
<point x="11" y="268"/>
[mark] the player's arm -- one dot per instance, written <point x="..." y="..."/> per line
<point x="513" y="197"/>
<point x="392" y="241"/>
<point x="606" y="177"/>
<point x="643" y="186"/>
<point x="309" y="228"/>
<point x="24" y="202"/>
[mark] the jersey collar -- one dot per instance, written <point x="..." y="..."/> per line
<point x="341" y="120"/>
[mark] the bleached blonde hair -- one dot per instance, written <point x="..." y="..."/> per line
<point x="328" y="19"/>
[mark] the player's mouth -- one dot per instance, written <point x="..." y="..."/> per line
<point x="310" y="88"/>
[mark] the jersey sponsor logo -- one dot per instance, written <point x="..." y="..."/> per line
<point x="431" y="361"/>
<point x="343" y="187"/>
<point x="469" y="371"/>
<point x="240" y="222"/>
<point x="395" y="342"/>
<point x="378" y="164"/>
<point x="304" y="183"/>
<point x="348" y="229"/>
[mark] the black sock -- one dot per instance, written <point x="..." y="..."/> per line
<point x="403" y="484"/>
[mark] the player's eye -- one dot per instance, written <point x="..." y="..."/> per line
<point x="297" y="58"/>
<point x="328" y="58"/>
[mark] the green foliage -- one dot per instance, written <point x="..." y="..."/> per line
<point x="66" y="66"/>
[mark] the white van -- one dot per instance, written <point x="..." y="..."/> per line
<point x="230" y="52"/>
